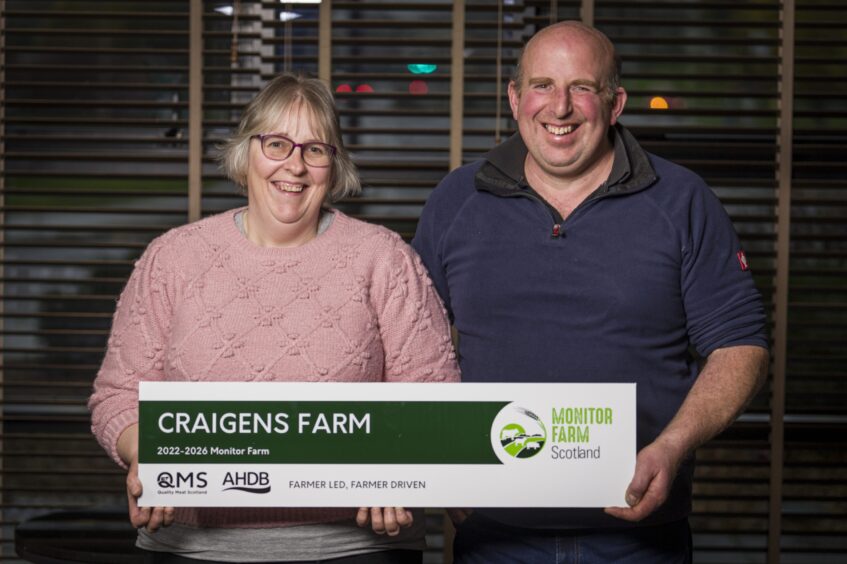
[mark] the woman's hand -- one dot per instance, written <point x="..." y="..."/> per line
<point x="385" y="520"/>
<point x="150" y="517"/>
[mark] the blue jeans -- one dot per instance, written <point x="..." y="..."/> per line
<point x="482" y="541"/>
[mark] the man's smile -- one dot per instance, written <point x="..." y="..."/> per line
<point x="560" y="130"/>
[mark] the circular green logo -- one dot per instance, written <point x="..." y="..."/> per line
<point x="525" y="436"/>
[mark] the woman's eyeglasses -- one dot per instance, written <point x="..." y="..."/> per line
<point x="278" y="147"/>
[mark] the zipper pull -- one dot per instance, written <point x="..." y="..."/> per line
<point x="557" y="229"/>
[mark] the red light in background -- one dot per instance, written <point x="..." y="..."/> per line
<point x="418" y="87"/>
<point x="364" y="88"/>
<point x="343" y="88"/>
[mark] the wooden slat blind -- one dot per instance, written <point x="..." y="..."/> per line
<point x="95" y="98"/>
<point x="714" y="65"/>
<point x="396" y="122"/>
<point x="94" y="155"/>
<point x="814" y="516"/>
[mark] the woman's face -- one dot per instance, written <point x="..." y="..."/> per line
<point x="285" y="197"/>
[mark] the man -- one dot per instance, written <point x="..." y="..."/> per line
<point x="569" y="254"/>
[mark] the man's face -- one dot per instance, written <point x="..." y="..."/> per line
<point x="562" y="112"/>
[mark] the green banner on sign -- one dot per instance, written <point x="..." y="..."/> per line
<point x="317" y="432"/>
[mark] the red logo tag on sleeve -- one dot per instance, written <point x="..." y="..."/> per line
<point x="742" y="260"/>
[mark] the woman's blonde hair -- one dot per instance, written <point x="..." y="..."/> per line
<point x="284" y="94"/>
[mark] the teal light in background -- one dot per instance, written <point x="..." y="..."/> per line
<point x="420" y="68"/>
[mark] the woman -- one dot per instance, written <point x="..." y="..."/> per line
<point x="284" y="289"/>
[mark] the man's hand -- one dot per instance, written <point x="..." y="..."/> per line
<point x="385" y="520"/>
<point x="458" y="516"/>
<point x="655" y="469"/>
<point x="727" y="383"/>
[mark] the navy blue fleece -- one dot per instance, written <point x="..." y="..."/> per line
<point x="638" y="276"/>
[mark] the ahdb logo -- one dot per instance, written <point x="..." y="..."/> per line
<point x="518" y="433"/>
<point x="250" y="482"/>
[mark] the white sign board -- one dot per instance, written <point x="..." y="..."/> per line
<point x="252" y="444"/>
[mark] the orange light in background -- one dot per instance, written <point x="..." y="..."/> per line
<point x="658" y="103"/>
<point x="418" y="87"/>
<point x="364" y="88"/>
<point x="343" y="88"/>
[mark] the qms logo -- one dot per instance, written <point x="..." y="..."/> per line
<point x="180" y="480"/>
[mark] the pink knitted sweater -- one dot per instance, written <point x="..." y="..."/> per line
<point x="204" y="303"/>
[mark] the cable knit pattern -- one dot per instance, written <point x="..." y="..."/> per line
<point x="204" y="303"/>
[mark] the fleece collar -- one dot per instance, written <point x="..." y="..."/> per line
<point x="502" y="173"/>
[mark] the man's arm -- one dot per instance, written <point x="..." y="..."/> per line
<point x="727" y="383"/>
